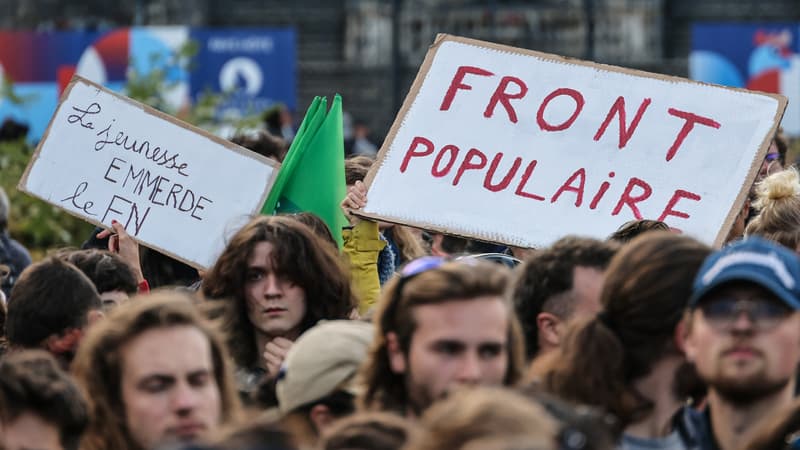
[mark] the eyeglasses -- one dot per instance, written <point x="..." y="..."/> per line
<point x="722" y="313"/>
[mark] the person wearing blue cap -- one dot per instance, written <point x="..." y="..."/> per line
<point x="742" y="332"/>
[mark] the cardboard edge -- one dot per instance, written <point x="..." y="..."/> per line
<point x="23" y="181"/>
<point x="422" y="73"/>
<point x="436" y="228"/>
<point x="607" y="67"/>
<point x="22" y="184"/>
<point x="755" y="167"/>
<point x="97" y="223"/>
<point x="441" y="38"/>
<point x="186" y="126"/>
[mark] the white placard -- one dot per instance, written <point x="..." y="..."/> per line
<point x="175" y="187"/>
<point x="519" y="147"/>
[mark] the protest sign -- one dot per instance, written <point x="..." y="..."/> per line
<point x="174" y="187"/>
<point x="519" y="147"/>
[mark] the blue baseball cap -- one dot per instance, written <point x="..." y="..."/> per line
<point x="755" y="260"/>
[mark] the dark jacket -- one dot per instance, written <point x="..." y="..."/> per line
<point x="695" y="428"/>
<point x="16" y="257"/>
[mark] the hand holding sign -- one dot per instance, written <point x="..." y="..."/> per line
<point x="355" y="200"/>
<point x="113" y="161"/>
<point x="120" y="242"/>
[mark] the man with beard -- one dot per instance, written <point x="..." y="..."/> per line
<point x="441" y="325"/>
<point x="742" y="333"/>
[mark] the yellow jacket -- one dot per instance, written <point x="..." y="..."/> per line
<point x="362" y="244"/>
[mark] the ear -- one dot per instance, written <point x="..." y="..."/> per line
<point x="436" y="245"/>
<point x="397" y="360"/>
<point x="682" y="338"/>
<point x="550" y="329"/>
<point x="67" y="342"/>
<point x="320" y="416"/>
<point x="93" y="316"/>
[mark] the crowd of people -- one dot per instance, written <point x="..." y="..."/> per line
<point x="409" y="339"/>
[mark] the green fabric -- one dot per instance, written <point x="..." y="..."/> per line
<point x="311" y="177"/>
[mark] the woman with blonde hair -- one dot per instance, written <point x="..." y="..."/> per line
<point x="778" y="205"/>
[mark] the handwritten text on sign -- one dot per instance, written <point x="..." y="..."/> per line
<point x="107" y="158"/>
<point x="523" y="148"/>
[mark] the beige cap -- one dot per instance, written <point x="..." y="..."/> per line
<point x="323" y="360"/>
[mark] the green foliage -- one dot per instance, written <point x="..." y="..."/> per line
<point x="36" y="224"/>
<point x="7" y="92"/>
<point x="150" y="88"/>
<point x="40" y="226"/>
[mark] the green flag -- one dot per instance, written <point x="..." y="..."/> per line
<point x="311" y="122"/>
<point x="312" y="176"/>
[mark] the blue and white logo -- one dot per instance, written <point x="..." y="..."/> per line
<point x="241" y="74"/>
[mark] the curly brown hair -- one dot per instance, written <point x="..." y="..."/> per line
<point x="98" y="365"/>
<point x="300" y="256"/>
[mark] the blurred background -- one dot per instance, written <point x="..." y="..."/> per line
<point x="240" y="65"/>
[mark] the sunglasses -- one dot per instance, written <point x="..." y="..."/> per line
<point x="772" y="157"/>
<point x="722" y="313"/>
<point x="416" y="267"/>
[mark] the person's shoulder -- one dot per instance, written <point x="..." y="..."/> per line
<point x="694" y="427"/>
<point x="18" y="253"/>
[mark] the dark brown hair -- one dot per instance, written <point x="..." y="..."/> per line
<point x="385" y="389"/>
<point x="631" y="229"/>
<point x="646" y="290"/>
<point x="356" y="168"/>
<point x="98" y="364"/>
<point x="32" y="382"/>
<point x="367" y="430"/>
<point x="33" y="312"/>
<point x="300" y="256"/>
<point x="254" y="434"/>
<point x="317" y="225"/>
<point x="263" y="143"/>
<point x="108" y="271"/>
<point x="548" y="273"/>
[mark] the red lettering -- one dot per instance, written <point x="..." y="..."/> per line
<point x="679" y="194"/>
<point x="601" y="191"/>
<point x="458" y="83"/>
<point x="487" y="182"/>
<point x="501" y="96"/>
<point x="525" y="177"/>
<point x="410" y="153"/>
<point x="631" y="200"/>
<point x="567" y="186"/>
<point x="467" y="164"/>
<point x="452" y="150"/>
<point x="688" y="126"/>
<point x="544" y="125"/>
<point x="625" y="133"/>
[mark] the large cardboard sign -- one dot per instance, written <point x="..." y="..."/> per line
<point x="519" y="147"/>
<point x="175" y="187"/>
